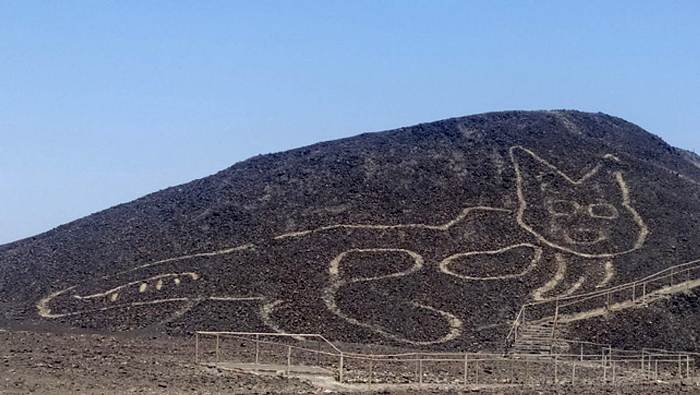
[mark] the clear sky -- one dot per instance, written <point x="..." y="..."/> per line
<point x="104" y="101"/>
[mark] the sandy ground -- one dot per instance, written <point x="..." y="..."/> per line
<point x="69" y="363"/>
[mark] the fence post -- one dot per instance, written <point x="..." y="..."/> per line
<point x="573" y="372"/>
<point x="466" y="361"/>
<point x="257" y="349"/>
<point x="687" y="366"/>
<point x="371" y="370"/>
<point x="420" y="371"/>
<point x="340" y="368"/>
<point x="556" y="318"/>
<point x="318" y="356"/>
<point x="581" y="352"/>
<point x="477" y="371"/>
<point x="672" y="272"/>
<point x="218" y="359"/>
<point x="289" y="358"/>
<point x="680" y="369"/>
<point x="607" y="303"/>
<point x="634" y="292"/>
<point x="656" y="369"/>
<point x="644" y="293"/>
<point x="613" y="372"/>
<point x="556" y="370"/>
<point x="196" y="347"/>
<point x="602" y="363"/>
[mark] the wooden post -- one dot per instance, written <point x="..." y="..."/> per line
<point x="556" y="318"/>
<point x="634" y="292"/>
<point x="257" y="349"/>
<point x="289" y="358"/>
<point x="466" y="365"/>
<point x="680" y="369"/>
<point x="607" y="303"/>
<point x="218" y="359"/>
<point x="687" y="366"/>
<point x="371" y="369"/>
<point x="477" y="372"/>
<point x="340" y="368"/>
<point x="573" y="372"/>
<point x="644" y="292"/>
<point x="556" y="378"/>
<point x="656" y="369"/>
<point x="613" y="372"/>
<point x="602" y="361"/>
<point x="581" y="352"/>
<point x="318" y="354"/>
<point x="672" y="272"/>
<point x="196" y="347"/>
<point x="420" y="371"/>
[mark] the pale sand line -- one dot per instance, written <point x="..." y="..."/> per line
<point x="266" y="311"/>
<point x="329" y="297"/>
<point x="581" y="280"/>
<point x="183" y="257"/>
<point x="522" y="206"/>
<point x="334" y="268"/>
<point x="234" y="298"/>
<point x="609" y="274"/>
<point x="462" y="215"/>
<point x="192" y="275"/>
<point x="639" y="303"/>
<point x="538" y="294"/>
<point x="444" y="265"/>
<point x="45" y="312"/>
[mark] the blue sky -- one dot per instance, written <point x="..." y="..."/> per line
<point x="103" y="102"/>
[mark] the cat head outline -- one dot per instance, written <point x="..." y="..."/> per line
<point x="591" y="216"/>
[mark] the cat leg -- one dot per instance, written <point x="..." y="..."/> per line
<point x="365" y="290"/>
<point x="574" y="276"/>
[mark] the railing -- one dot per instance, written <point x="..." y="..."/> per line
<point x="570" y="308"/>
<point x="290" y="352"/>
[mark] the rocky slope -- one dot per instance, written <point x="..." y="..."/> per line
<point x="431" y="235"/>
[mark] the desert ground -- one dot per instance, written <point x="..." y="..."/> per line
<point x="34" y="360"/>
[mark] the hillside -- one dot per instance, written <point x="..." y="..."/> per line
<point x="432" y="235"/>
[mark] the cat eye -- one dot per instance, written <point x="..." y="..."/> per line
<point x="563" y="207"/>
<point x="603" y="210"/>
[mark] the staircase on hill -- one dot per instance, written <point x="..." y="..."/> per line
<point x="539" y="338"/>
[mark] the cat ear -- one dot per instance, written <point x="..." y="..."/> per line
<point x="529" y="165"/>
<point x="532" y="168"/>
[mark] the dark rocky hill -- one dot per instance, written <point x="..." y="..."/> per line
<point x="432" y="235"/>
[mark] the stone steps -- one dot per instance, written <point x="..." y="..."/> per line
<point x="538" y="339"/>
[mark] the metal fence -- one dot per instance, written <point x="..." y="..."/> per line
<point x="567" y="309"/>
<point x="313" y="354"/>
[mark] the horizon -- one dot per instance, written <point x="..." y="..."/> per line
<point x="103" y="103"/>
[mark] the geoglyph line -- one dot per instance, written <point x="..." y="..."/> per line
<point x="575" y="287"/>
<point x="184" y="257"/>
<point x="522" y="206"/>
<point x="335" y="283"/>
<point x="609" y="274"/>
<point x="192" y="275"/>
<point x="334" y="270"/>
<point x="537" y="256"/>
<point x="538" y="294"/>
<point x="462" y="215"/>
<point x="650" y="297"/>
